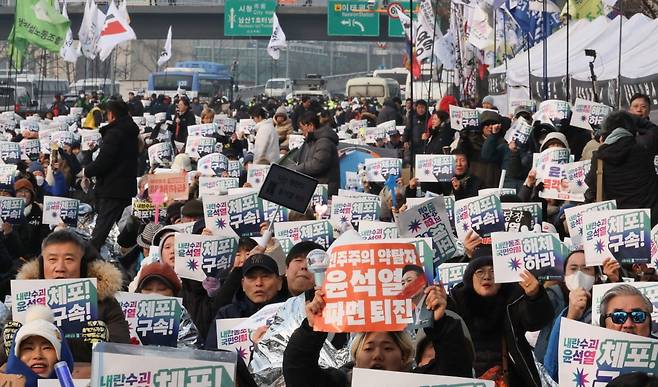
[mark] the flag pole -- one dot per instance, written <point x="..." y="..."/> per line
<point x="621" y="19"/>
<point x="545" y="48"/>
<point x="527" y="40"/>
<point x="430" y="89"/>
<point x="568" y="77"/>
<point x="11" y="53"/>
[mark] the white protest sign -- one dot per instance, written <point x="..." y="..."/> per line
<point x="226" y="215"/>
<point x="153" y="319"/>
<point x="199" y="146"/>
<point x="242" y="334"/>
<point x="452" y="274"/>
<point x="574" y="219"/>
<point x="30" y="149"/>
<point x="375" y="230"/>
<point x="353" y="209"/>
<point x="318" y="231"/>
<point x="380" y="168"/>
<point x="246" y="126"/>
<point x="553" y="110"/>
<point x="566" y="181"/>
<point x="10" y="152"/>
<point x="214" y="164"/>
<point x="199" y="256"/>
<point x="161" y="154"/>
<point x="497" y="191"/>
<point x="204" y="130"/>
<point x="541" y="254"/>
<point x="587" y="114"/>
<point x="456" y="117"/>
<point x="90" y="139"/>
<point x="483" y="214"/>
<point x="214" y="185"/>
<point x="58" y="210"/>
<point x="542" y="161"/>
<point x="519" y="132"/>
<point x="295" y="141"/>
<point x="225" y="125"/>
<point x="256" y="175"/>
<point x="61" y="138"/>
<point x="363" y="377"/>
<point x="435" y="168"/>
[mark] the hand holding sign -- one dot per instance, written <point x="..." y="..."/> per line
<point x="314" y="308"/>
<point x="436" y="300"/>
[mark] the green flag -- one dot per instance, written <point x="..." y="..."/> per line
<point x="19" y="47"/>
<point x="39" y="23"/>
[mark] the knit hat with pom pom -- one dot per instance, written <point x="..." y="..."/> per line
<point x="39" y="322"/>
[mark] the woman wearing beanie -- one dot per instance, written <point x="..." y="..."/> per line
<point x="39" y="177"/>
<point x="31" y="232"/>
<point x="498" y="316"/>
<point x="283" y="126"/>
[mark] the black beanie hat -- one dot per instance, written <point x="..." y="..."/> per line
<point x="473" y="266"/>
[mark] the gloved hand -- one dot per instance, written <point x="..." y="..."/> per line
<point x="9" y="333"/>
<point x="95" y="332"/>
<point x="211" y="284"/>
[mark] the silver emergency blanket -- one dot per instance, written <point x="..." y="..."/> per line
<point x="267" y="360"/>
<point x="188" y="334"/>
<point x="111" y="250"/>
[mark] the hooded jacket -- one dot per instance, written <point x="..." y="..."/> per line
<point x="115" y="167"/>
<point x="628" y="175"/>
<point x="283" y="130"/>
<point x="318" y="158"/>
<point x="17" y="367"/>
<point x="266" y="144"/>
<point x="109" y="281"/>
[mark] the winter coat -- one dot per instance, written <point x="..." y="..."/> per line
<point x="31" y="232"/>
<point x="628" y="176"/>
<point x="488" y="171"/>
<point x="516" y="314"/>
<point x="468" y="187"/>
<point x="647" y="135"/>
<point x="414" y="131"/>
<point x="300" y="359"/>
<point x="199" y="305"/>
<point x="283" y="130"/>
<point x="180" y="128"/>
<point x="16" y="367"/>
<point x="115" y="167"/>
<point x="389" y="112"/>
<point x="266" y="144"/>
<point x="318" y="157"/>
<point x="109" y="281"/>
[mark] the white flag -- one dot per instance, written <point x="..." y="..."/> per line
<point x="67" y="52"/>
<point x="165" y="55"/>
<point x="89" y="32"/>
<point x="123" y="11"/>
<point x="115" y="30"/>
<point x="277" y="40"/>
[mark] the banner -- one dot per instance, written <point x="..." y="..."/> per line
<point x="161" y="154"/>
<point x="73" y="301"/>
<point x="451" y="274"/>
<point x="242" y="334"/>
<point x="363" y="377"/>
<point x="30" y="149"/>
<point x="346" y="209"/>
<point x="566" y="181"/>
<point x="201" y="256"/>
<point x="574" y="219"/>
<point x="256" y="175"/>
<point x="593" y="356"/>
<point x="90" y="139"/>
<point x="589" y="114"/>
<point x="542" y="161"/>
<point x="624" y="235"/>
<point x="145" y="211"/>
<point x="10" y="152"/>
<point x="114" y="363"/>
<point x="242" y="213"/>
<point x="202" y="130"/>
<point x="376" y="230"/>
<point x="11" y="209"/>
<point x="213" y="185"/>
<point x="57" y="210"/>
<point x="199" y="146"/>
<point x="362" y="286"/>
<point x="435" y="168"/>
<point x="214" y="164"/>
<point x="541" y="254"/>
<point x="291" y="233"/>
<point x="173" y="185"/>
<point x="430" y="219"/>
<point x="649" y="289"/>
<point x="483" y="214"/>
<point x="380" y="168"/>
<point x="153" y="319"/>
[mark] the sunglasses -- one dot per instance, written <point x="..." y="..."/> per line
<point x="619" y="317"/>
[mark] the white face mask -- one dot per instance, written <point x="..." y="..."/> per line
<point x="579" y="280"/>
<point x="40" y="180"/>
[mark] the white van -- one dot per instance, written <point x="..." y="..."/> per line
<point x="372" y="87"/>
<point x="278" y="87"/>
<point x="399" y="74"/>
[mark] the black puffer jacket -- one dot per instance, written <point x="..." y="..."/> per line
<point x="318" y="157"/>
<point x="628" y="176"/>
<point x="115" y="168"/>
<point x="389" y="112"/>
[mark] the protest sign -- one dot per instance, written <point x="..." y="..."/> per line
<point x="425" y="253"/>
<point x="44" y="141"/>
<point x="373" y="133"/>
<point x="55" y="382"/>
<point x="516" y="219"/>
<point x="574" y="219"/>
<point x="242" y="334"/>
<point x="213" y="164"/>
<point x="649" y="289"/>
<point x="58" y="210"/>
<point x="362" y="286"/>
<point x="320" y="195"/>
<point x="542" y="161"/>
<point x="214" y="185"/>
<point x="73" y="301"/>
<point x="273" y="212"/>
<point x="153" y="319"/>
<point x="588" y="114"/>
<point x="30" y="149"/>
<point x="10" y="152"/>
<point x="356" y="194"/>
<point x="234" y="168"/>
<point x="463" y="118"/>
<point x="173" y="185"/>
<point x="295" y="141"/>
<point x="199" y="146"/>
<point x="378" y="169"/>
<point x="375" y="230"/>
<point x="357" y="125"/>
<point x="61" y="138"/>
<point x="200" y="256"/>
<point x="430" y="219"/>
<point x="114" y="364"/>
<point x="11" y="209"/>
<point x="519" y="132"/>
<point x="553" y="110"/>
<point x="225" y="125"/>
<point x="541" y="254"/>
<point x="318" y="231"/>
<point x="246" y="126"/>
<point x="90" y="139"/>
<point x="497" y="191"/>
<point x="355" y="209"/>
<point x="565" y="181"/>
<point x="593" y="356"/>
<point x="624" y="235"/>
<point x="161" y="154"/>
<point x="145" y="211"/>
<point x="655" y="163"/>
<point x="363" y="377"/>
<point x="483" y="214"/>
<point x="435" y="168"/>
<point x="7" y="176"/>
<point x="203" y="130"/>
<point x="528" y="104"/>
<point x="256" y="175"/>
<point x="654" y="246"/>
<point x="242" y="213"/>
<point x="288" y="188"/>
<point x="451" y="274"/>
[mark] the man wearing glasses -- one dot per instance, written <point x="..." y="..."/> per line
<point x="624" y="308"/>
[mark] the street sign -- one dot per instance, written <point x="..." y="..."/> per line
<point x="248" y="17"/>
<point x="394" y="26"/>
<point x="351" y="18"/>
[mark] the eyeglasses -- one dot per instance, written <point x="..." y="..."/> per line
<point x="481" y="273"/>
<point x="620" y="316"/>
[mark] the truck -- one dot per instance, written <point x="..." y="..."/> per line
<point x="311" y="86"/>
<point x="372" y="87"/>
<point x="278" y="87"/>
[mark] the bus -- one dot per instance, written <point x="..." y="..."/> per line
<point x="398" y="74"/>
<point x="40" y="91"/>
<point x="205" y="80"/>
<point x="372" y="87"/>
<point x="88" y="85"/>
